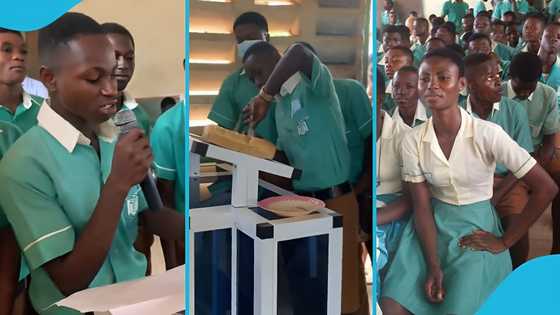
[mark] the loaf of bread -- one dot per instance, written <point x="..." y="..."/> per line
<point x="239" y="142"/>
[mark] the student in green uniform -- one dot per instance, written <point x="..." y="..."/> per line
<point x="498" y="33"/>
<point x="446" y="32"/>
<point x="69" y="188"/>
<point x="512" y="35"/>
<point x="434" y="43"/>
<point x="16" y="106"/>
<point x="540" y="101"/>
<point x="502" y="7"/>
<point x="482" y="24"/>
<point x="455" y="235"/>
<point x="168" y="147"/>
<point x="553" y="7"/>
<point x="420" y="32"/>
<point x="454" y="10"/>
<point x="481" y="44"/>
<point x="468" y="23"/>
<point x="395" y="59"/>
<point x="311" y="131"/>
<point x="123" y="42"/>
<point x="387" y="7"/>
<point x="236" y="92"/>
<point x="393" y="36"/>
<point x="9" y="252"/>
<point x="531" y="34"/>
<point x="409" y="111"/>
<point x="479" y="7"/>
<point x="485" y="101"/>
<point x="548" y="53"/>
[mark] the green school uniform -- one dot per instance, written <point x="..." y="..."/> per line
<point x="25" y="115"/>
<point x="553" y="7"/>
<point x="52" y="179"/>
<point x="168" y="149"/>
<point x="455" y="11"/>
<point x="512" y="117"/>
<point x="542" y="111"/>
<point x="356" y="110"/>
<point x="385" y="18"/>
<point x="523" y="7"/>
<point x="311" y="129"/>
<point x="504" y="68"/>
<point x="501" y="8"/>
<point x="8" y="135"/>
<point x="552" y="79"/>
<point x="479" y="7"/>
<point x="418" y="50"/>
<point x="504" y="52"/>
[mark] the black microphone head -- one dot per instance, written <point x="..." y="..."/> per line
<point x="125" y="120"/>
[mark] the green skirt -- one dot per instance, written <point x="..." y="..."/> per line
<point x="469" y="276"/>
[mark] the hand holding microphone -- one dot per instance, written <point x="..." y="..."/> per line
<point x="132" y="159"/>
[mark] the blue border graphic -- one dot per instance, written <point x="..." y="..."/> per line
<point x="31" y="15"/>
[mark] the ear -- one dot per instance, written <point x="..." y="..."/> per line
<point x="462" y="83"/>
<point x="46" y="75"/>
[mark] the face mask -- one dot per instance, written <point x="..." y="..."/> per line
<point x="244" y="46"/>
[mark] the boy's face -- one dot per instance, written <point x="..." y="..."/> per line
<point x="512" y="36"/>
<point x="447" y="37"/>
<point x="82" y="83"/>
<point x="482" y="25"/>
<point x="391" y="40"/>
<point x="551" y="39"/>
<point x="392" y="17"/>
<point x="395" y="59"/>
<point x="468" y="24"/>
<point x="508" y="18"/>
<point x="439" y="83"/>
<point x="259" y="68"/>
<point x="245" y="32"/>
<point x="420" y="29"/>
<point x="484" y="82"/>
<point x="523" y="89"/>
<point x="479" y="46"/>
<point x="499" y="34"/>
<point x="405" y="89"/>
<point x="124" y="53"/>
<point x="13" y="52"/>
<point x="532" y="30"/>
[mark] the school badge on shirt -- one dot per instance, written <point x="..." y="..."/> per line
<point x="132" y="204"/>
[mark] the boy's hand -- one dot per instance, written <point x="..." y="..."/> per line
<point x="132" y="160"/>
<point x="255" y="111"/>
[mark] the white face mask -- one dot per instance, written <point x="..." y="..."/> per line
<point x="244" y="46"/>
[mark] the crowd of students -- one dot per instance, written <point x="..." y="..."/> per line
<point x="72" y="214"/>
<point x="467" y="152"/>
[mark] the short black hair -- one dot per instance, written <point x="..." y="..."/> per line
<point x="526" y="67"/>
<point x="260" y="48"/>
<point x="252" y="17"/>
<point x="63" y="30"/>
<point x="423" y="20"/>
<point x="414" y="13"/>
<point x="404" y="31"/>
<point x="468" y="16"/>
<point x="475" y="60"/>
<point x="407" y="69"/>
<point x="499" y="23"/>
<point x="404" y="50"/>
<point x="477" y="36"/>
<point x="536" y="15"/>
<point x="115" y="28"/>
<point x="308" y="46"/>
<point x="380" y="84"/>
<point x="510" y="13"/>
<point x="458" y="49"/>
<point x="449" y="54"/>
<point x="168" y="101"/>
<point x="449" y="26"/>
<point x="6" y="30"/>
<point x="432" y="39"/>
<point x="388" y="29"/>
<point x="484" y="14"/>
<point x="438" y="20"/>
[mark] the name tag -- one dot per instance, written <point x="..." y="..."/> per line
<point x="132" y="204"/>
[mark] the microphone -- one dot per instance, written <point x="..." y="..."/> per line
<point x="126" y="121"/>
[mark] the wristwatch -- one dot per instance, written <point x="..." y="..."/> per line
<point x="265" y="96"/>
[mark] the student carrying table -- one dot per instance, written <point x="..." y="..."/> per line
<point x="455" y="237"/>
<point x="485" y="101"/>
<point x="311" y="133"/>
<point x="69" y="187"/>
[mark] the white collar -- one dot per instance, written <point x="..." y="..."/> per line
<point x="420" y="114"/>
<point x="66" y="134"/>
<point x="129" y="101"/>
<point x="388" y="130"/>
<point x="290" y="85"/>
<point x="495" y="107"/>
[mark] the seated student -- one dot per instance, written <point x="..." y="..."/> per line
<point x="502" y="7"/>
<point x="454" y="10"/>
<point x="512" y="35"/>
<point x="480" y="43"/>
<point x="123" y="42"/>
<point x="17" y="106"/>
<point x="485" y="101"/>
<point x="395" y="59"/>
<point x="434" y="43"/>
<point x="452" y="209"/>
<point x="509" y="17"/>
<point x="392" y="205"/>
<point x="446" y="32"/>
<point x="482" y="24"/>
<point x="236" y="92"/>
<point x="420" y="33"/>
<point x="548" y="53"/>
<point x="69" y="188"/>
<point x="409" y="111"/>
<point x="468" y="23"/>
<point x="531" y="34"/>
<point x="394" y="36"/>
<point x="498" y="33"/>
<point x="9" y="252"/>
<point x="307" y="103"/>
<point x="540" y="101"/>
<point x="479" y="7"/>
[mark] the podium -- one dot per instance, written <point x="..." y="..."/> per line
<point x="254" y="261"/>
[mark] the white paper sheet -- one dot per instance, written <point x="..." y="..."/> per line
<point x="162" y="294"/>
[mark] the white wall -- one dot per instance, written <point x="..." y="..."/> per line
<point x="158" y="28"/>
